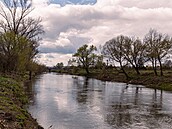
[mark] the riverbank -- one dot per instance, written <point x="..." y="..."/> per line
<point x="13" y="99"/>
<point x="146" y="78"/>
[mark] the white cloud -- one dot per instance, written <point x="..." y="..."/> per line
<point x="40" y="2"/>
<point x="51" y="59"/>
<point x="71" y="26"/>
<point x="146" y="3"/>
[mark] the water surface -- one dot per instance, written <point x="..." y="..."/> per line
<point x="73" y="102"/>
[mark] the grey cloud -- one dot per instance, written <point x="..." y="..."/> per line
<point x="75" y="43"/>
<point x="57" y="49"/>
<point x="50" y="56"/>
<point x="146" y="4"/>
<point x="77" y="18"/>
<point x="101" y="23"/>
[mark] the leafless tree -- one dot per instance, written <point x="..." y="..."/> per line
<point x="133" y="50"/>
<point x="15" y="18"/>
<point x="157" y="47"/>
<point x="113" y="49"/>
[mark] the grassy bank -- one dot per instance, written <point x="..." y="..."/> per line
<point x="146" y="78"/>
<point x="13" y="115"/>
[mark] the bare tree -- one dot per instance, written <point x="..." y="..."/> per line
<point x="19" y="34"/>
<point x="157" y="47"/>
<point x="134" y="52"/>
<point x="113" y="49"/>
<point x="15" y="18"/>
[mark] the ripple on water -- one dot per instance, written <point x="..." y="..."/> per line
<point x="81" y="103"/>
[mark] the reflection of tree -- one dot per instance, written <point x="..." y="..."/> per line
<point x="123" y="107"/>
<point x="156" y="102"/>
<point x="136" y="97"/>
<point x="118" y="112"/>
<point x="82" y="91"/>
<point x="88" y="90"/>
<point x="29" y="89"/>
<point x="138" y="93"/>
<point x="118" y="115"/>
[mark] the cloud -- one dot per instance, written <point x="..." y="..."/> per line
<point x="51" y="59"/>
<point x="66" y="43"/>
<point x="71" y="26"/>
<point x="146" y="3"/>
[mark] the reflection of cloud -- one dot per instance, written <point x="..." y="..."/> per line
<point x="100" y="22"/>
<point x="109" y="105"/>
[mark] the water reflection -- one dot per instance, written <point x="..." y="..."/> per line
<point x="82" y="91"/>
<point x="73" y="102"/>
<point x="30" y="89"/>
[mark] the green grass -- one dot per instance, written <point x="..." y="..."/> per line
<point x="146" y="77"/>
<point x="12" y="97"/>
<point x="12" y="101"/>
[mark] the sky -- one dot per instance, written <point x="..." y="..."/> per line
<point x="69" y="24"/>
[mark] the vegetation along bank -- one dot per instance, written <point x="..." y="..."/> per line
<point x="19" y="41"/>
<point x="127" y="59"/>
<point x="13" y="114"/>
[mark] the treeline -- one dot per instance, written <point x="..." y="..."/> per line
<point x="19" y="36"/>
<point x="127" y="51"/>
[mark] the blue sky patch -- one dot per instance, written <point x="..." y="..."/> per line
<point x="81" y="2"/>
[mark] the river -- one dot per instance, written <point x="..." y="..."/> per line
<point x="75" y="102"/>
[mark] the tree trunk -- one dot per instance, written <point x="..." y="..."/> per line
<point x="126" y="75"/>
<point x="154" y="67"/>
<point x="86" y="68"/>
<point x="160" y="63"/>
<point x="123" y="70"/>
<point x="30" y="75"/>
<point x="155" y="71"/>
<point x="137" y="70"/>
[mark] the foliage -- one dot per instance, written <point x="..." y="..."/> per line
<point x="15" y="51"/>
<point x="99" y="64"/>
<point x="72" y="62"/>
<point x="59" y="65"/>
<point x="19" y="36"/>
<point x="86" y="56"/>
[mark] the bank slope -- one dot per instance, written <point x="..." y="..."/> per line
<point x="13" y="115"/>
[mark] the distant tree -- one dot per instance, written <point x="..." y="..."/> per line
<point x="167" y="64"/>
<point x="72" y="62"/>
<point x="59" y="65"/>
<point x="85" y="56"/>
<point x="157" y="47"/>
<point x="134" y="50"/>
<point x="34" y="67"/>
<point x="99" y="62"/>
<point x="113" y="49"/>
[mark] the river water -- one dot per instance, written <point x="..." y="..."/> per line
<point x="73" y="102"/>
